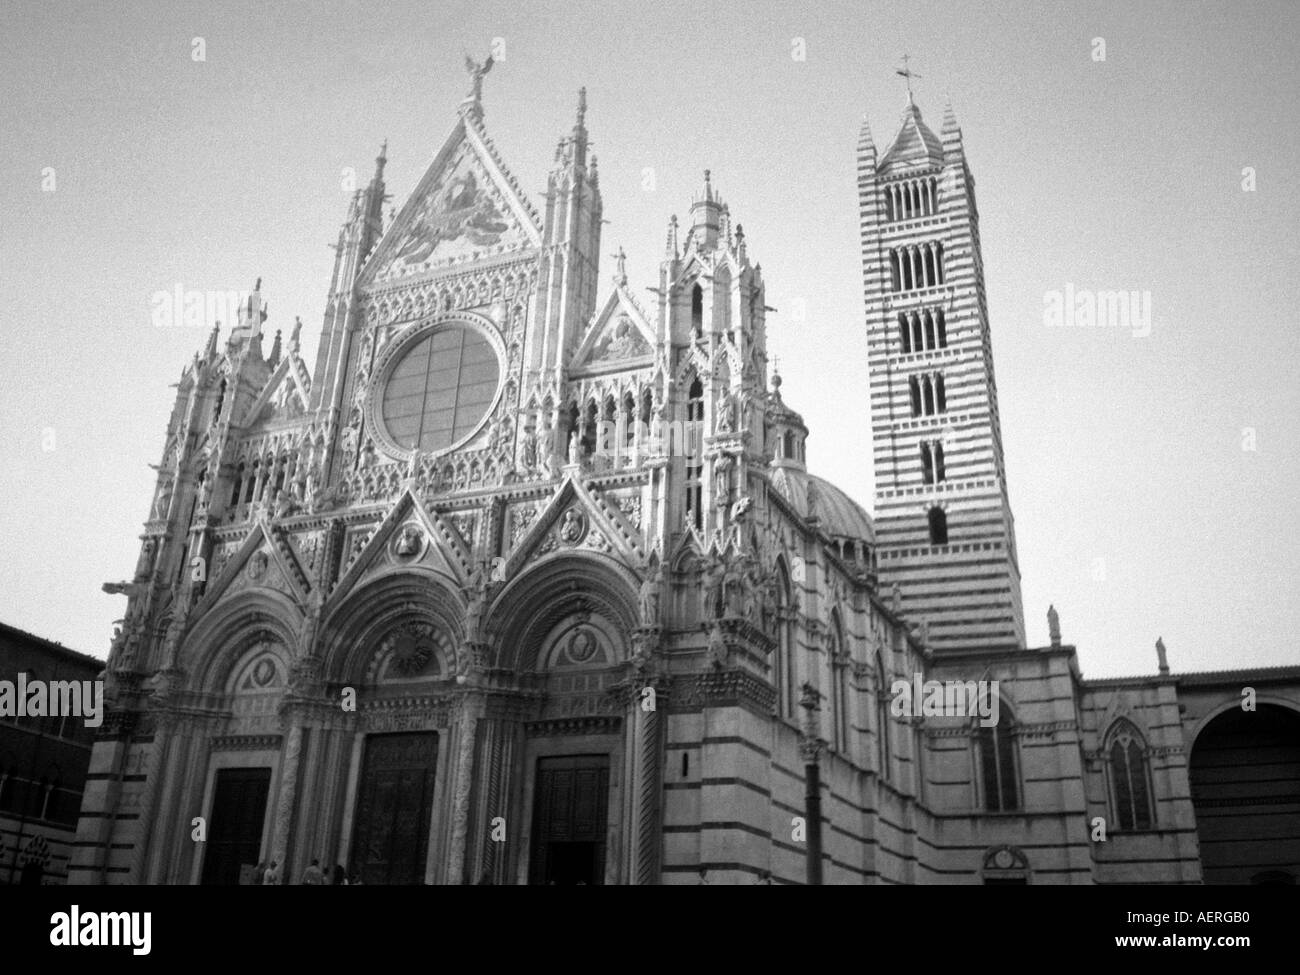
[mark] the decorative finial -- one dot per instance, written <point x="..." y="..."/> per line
<point x="1054" y="626"/>
<point x="380" y="160"/>
<point x="1161" y="656"/>
<point x="620" y="274"/>
<point x="293" y="336"/>
<point x="582" y="108"/>
<point x="908" y="74"/>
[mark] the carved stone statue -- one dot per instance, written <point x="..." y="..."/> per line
<point x="408" y="542"/>
<point x="726" y="414"/>
<point x="717" y="647"/>
<point x="529" y="453"/>
<point x="546" y="449"/>
<point x="575" y="449"/>
<point x="650" y="593"/>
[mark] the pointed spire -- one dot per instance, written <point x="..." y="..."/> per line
<point x="380" y="161"/>
<point x="949" y="118"/>
<point x="581" y="124"/>
<point x="740" y="243"/>
<point x="274" y="359"/>
<point x="866" y="144"/>
<point x="1162" y="658"/>
<point x="672" y="252"/>
<point x="294" y="343"/>
<point x="211" y="350"/>
<point x="1054" y="626"/>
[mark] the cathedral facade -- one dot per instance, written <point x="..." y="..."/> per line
<point x="528" y="582"/>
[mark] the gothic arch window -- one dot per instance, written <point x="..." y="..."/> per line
<point x="904" y="333"/>
<point x="239" y="479"/>
<point x="221" y="398"/>
<point x="895" y="279"/>
<point x="927" y="396"/>
<point x="914" y="391"/>
<point x="697" y="311"/>
<point x="1130" y="789"/>
<point x="694" y="454"/>
<point x="927" y="465"/>
<point x="930" y="342"/>
<point x="938" y="522"/>
<point x="629" y="420"/>
<point x="252" y="482"/>
<point x="942" y="327"/>
<point x="995" y="757"/>
<point x="940" y="473"/>
<point x="940" y="395"/>
<point x="883" y="754"/>
<point x="938" y="262"/>
<point x="839" y="685"/>
<point x="588" y="434"/>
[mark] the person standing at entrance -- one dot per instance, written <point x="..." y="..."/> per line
<point x="272" y="876"/>
<point x="313" y="876"/>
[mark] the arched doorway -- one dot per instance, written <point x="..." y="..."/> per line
<point x="1245" y="782"/>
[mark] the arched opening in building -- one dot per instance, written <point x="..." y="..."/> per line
<point x="1245" y="781"/>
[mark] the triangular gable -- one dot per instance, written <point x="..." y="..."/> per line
<point x="432" y="544"/>
<point x="264" y="561"/>
<point x="285" y="393"/>
<point x="467" y="206"/>
<point x="597" y="525"/>
<point x="619" y="335"/>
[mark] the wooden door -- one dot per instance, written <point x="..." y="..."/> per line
<point x="235" y="826"/>
<point x="394" y="804"/>
<point x="570" y="814"/>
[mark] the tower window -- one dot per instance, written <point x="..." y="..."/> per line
<point x="914" y="390"/>
<point x="927" y="465"/>
<point x="938" y="526"/>
<point x="221" y="398"/>
<point x="697" y="311"/>
<point x="940" y="398"/>
<point x="904" y="334"/>
<point x="939" y="473"/>
<point x="942" y="328"/>
<point x="694" y="458"/>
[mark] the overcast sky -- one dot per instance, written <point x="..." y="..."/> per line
<point x="1138" y="512"/>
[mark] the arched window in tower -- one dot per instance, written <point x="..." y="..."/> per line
<point x="941" y="327"/>
<point x="930" y="279"/>
<point x="883" y="754"/>
<point x="252" y="482"/>
<point x="930" y="342"/>
<point x="927" y="396"/>
<point x="938" y="262"/>
<point x="917" y="337"/>
<point x="606" y="438"/>
<point x="280" y="466"/>
<point x="629" y="422"/>
<point x="697" y="311"/>
<point x="927" y="464"/>
<point x="889" y="203"/>
<point x="914" y="390"/>
<point x="239" y="479"/>
<point x="895" y="278"/>
<point x="1130" y="791"/>
<point x="940" y="397"/>
<point x="904" y="334"/>
<point x="588" y="433"/>
<point x="940" y="474"/>
<point x="695" y="454"/>
<point x="938" y="526"/>
<point x="996" y="757"/>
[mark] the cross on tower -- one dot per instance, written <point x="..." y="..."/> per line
<point x="908" y="74"/>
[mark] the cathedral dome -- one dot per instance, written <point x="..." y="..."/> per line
<point x="813" y="496"/>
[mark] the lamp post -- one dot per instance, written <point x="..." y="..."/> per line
<point x="810" y="747"/>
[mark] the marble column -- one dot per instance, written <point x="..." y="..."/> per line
<point x="462" y="787"/>
<point x="289" y="763"/>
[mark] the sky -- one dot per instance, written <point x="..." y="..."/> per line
<point x="1153" y="478"/>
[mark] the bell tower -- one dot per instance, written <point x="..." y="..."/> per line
<point x="943" y="517"/>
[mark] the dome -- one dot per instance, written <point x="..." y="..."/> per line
<point x="840" y="515"/>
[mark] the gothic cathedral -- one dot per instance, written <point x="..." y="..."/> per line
<point x="526" y="581"/>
